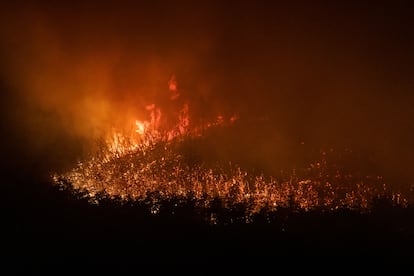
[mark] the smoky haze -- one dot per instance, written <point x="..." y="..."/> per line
<point x="326" y="75"/>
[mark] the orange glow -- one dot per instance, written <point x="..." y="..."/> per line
<point x="172" y="86"/>
<point x="132" y="165"/>
<point x="141" y="127"/>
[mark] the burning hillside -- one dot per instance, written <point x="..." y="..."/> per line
<point x="156" y="160"/>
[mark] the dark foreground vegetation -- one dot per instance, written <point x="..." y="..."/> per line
<point x="55" y="226"/>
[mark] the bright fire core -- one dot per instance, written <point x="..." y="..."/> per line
<point x="148" y="164"/>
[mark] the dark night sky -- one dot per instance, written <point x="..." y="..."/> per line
<point x="328" y="73"/>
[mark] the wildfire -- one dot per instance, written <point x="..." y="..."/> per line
<point x="148" y="161"/>
<point x="141" y="127"/>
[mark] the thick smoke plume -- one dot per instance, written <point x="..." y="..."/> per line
<point x="301" y="77"/>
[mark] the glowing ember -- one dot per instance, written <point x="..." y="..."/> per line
<point x="148" y="161"/>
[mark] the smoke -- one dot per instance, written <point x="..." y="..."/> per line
<point x="72" y="71"/>
<point x="333" y="75"/>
